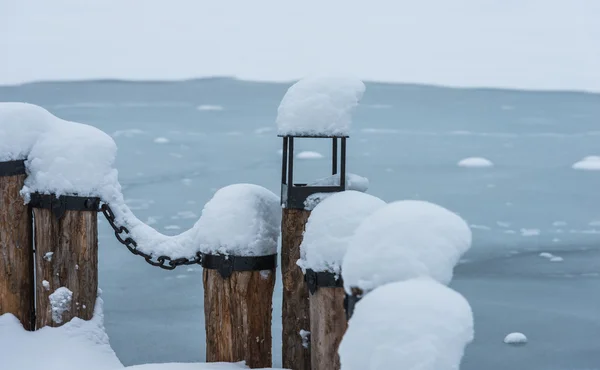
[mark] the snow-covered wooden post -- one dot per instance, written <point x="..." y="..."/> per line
<point x="16" y="250"/>
<point x="237" y="236"/>
<point x="400" y="241"/>
<point x="328" y="230"/>
<point x="318" y="108"/>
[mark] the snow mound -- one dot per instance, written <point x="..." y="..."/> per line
<point x="76" y="345"/>
<point x="515" y="338"/>
<point x="475" y="162"/>
<point x="240" y="220"/>
<point x="309" y="155"/>
<point x="21" y="125"/>
<point x="403" y="240"/>
<point x="60" y="301"/>
<point x="417" y="324"/>
<point x="589" y="163"/>
<point x="330" y="226"/>
<point x="353" y="182"/>
<point x="320" y="106"/>
<point x="161" y="140"/>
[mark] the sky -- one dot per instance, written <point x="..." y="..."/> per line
<point x="527" y="44"/>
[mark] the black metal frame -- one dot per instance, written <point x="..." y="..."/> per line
<point x="12" y="168"/>
<point x="294" y="195"/>
<point x="226" y="265"/>
<point x="322" y="279"/>
<point x="350" y="302"/>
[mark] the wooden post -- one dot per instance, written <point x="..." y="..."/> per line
<point x="16" y="250"/>
<point x="66" y="257"/>
<point x="327" y="327"/>
<point x="238" y="313"/>
<point x="295" y="309"/>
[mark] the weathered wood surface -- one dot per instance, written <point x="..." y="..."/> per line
<point x="295" y="309"/>
<point x="66" y="256"/>
<point x="238" y="314"/>
<point x="16" y="253"/>
<point x="327" y="327"/>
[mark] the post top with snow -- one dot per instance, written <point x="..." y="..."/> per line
<point x="413" y="324"/>
<point x="319" y="106"/>
<point x="240" y="220"/>
<point x="330" y="227"/>
<point x="404" y="240"/>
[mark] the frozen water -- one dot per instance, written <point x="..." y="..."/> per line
<point x="515" y="338"/>
<point x="589" y="163"/>
<point x="533" y="189"/>
<point x="475" y="162"/>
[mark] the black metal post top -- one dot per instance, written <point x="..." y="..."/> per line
<point x="59" y="205"/>
<point x="226" y="265"/>
<point x="12" y="168"/>
<point x="322" y="279"/>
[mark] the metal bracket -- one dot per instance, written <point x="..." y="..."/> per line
<point x="350" y="302"/>
<point x="59" y="205"/>
<point x="12" y="168"/>
<point x="322" y="279"/>
<point x="226" y="265"/>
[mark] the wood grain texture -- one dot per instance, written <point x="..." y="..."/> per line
<point x="238" y="315"/>
<point x="327" y="327"/>
<point x="16" y="253"/>
<point x="66" y="256"/>
<point x="295" y="308"/>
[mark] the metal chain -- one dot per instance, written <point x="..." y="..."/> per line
<point x="164" y="262"/>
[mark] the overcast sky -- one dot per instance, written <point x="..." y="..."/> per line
<point x="532" y="44"/>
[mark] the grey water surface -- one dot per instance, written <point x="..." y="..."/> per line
<point x="407" y="139"/>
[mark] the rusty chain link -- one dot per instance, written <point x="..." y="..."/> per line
<point x="164" y="262"/>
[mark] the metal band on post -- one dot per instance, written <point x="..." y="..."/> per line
<point x="350" y="302"/>
<point x="12" y="168"/>
<point x="226" y="265"/>
<point x="322" y="279"/>
<point x="59" y="205"/>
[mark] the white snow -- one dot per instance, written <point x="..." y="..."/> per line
<point x="46" y="284"/>
<point x="589" y="163"/>
<point x="190" y="366"/>
<point x="530" y="232"/>
<point x="48" y="256"/>
<point x="556" y="259"/>
<point x="209" y="107"/>
<point x="546" y="255"/>
<point x="60" y="301"/>
<point x="172" y="227"/>
<point x="475" y="162"/>
<point x="76" y="345"/>
<point x="305" y="335"/>
<point x="330" y="226"/>
<point x="417" y="324"/>
<point x="515" y="338"/>
<point x="353" y="182"/>
<point x="319" y="106"/>
<point x="242" y="220"/>
<point x="309" y="155"/>
<point x="403" y="240"/>
<point x="161" y="140"/>
<point x="21" y="125"/>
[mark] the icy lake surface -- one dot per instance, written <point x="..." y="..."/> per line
<point x="179" y="142"/>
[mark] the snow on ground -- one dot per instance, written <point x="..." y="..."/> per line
<point x="589" y="163"/>
<point x="515" y="338"/>
<point x="475" y="162"/>
<point x="319" y="106"/>
<point x="403" y="240"/>
<point x="330" y="226"/>
<point x="77" y="345"/>
<point x="309" y="155"/>
<point x="416" y="324"/>
<point x="209" y="107"/>
<point x="241" y="220"/>
<point x="60" y="301"/>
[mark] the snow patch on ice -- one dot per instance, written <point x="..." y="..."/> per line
<point x="309" y="155"/>
<point x="475" y="162"/>
<point x="530" y="232"/>
<point x="209" y="107"/>
<point x="556" y="259"/>
<point x="319" y="106"/>
<point x="330" y="226"/>
<point x="414" y="324"/>
<point x="515" y="339"/>
<point x="161" y="140"/>
<point x="403" y="240"/>
<point x="589" y="163"/>
<point x="128" y="133"/>
<point x="263" y="130"/>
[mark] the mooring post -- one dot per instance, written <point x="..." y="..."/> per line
<point x="66" y="258"/>
<point x="297" y="200"/>
<point x="238" y="301"/>
<point x="16" y="250"/>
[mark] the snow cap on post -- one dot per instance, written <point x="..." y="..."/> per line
<point x="413" y="324"/>
<point x="319" y="106"/>
<point x="20" y="126"/>
<point x="240" y="220"/>
<point x="404" y="240"/>
<point x="330" y="227"/>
